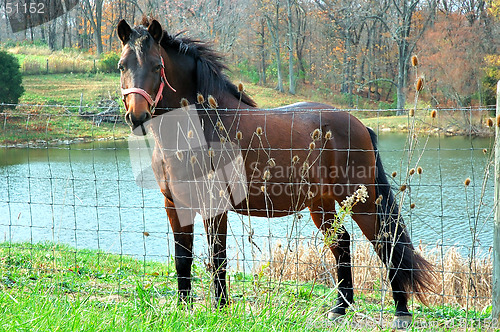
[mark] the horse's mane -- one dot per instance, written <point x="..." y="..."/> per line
<point x="210" y="71"/>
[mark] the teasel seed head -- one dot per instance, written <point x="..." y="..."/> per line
<point x="412" y="171"/>
<point x="200" y="98"/>
<point x="328" y="135"/>
<point x="263" y="189"/>
<point x="211" y="152"/>
<point x="267" y="175"/>
<point x="394" y="174"/>
<point x="239" y="160"/>
<point x="420" y="84"/>
<point x="411" y="113"/>
<point x="414" y="61"/>
<point x="145" y="234"/>
<point x="402" y="188"/>
<point x="295" y="159"/>
<point x="412" y="205"/>
<point x="419" y="170"/>
<point x="239" y="135"/>
<point x="193" y="160"/>
<point x="498" y="121"/>
<point x="241" y="87"/>
<point x="259" y="131"/>
<point x="489" y="122"/>
<point x="222" y="193"/>
<point x="179" y="155"/>
<point x="212" y="102"/>
<point x="184" y="102"/>
<point x="467" y="182"/>
<point x="271" y="162"/>
<point x="316" y="134"/>
<point x="312" y="146"/>
<point x="310" y="194"/>
<point x="305" y="168"/>
<point x="485" y="151"/>
<point x="190" y="134"/>
<point x="434" y="114"/>
<point x="378" y="201"/>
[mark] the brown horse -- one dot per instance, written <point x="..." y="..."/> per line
<point x="305" y="155"/>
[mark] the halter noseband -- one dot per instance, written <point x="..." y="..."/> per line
<point x="145" y="94"/>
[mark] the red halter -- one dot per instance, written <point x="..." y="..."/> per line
<point x="146" y="95"/>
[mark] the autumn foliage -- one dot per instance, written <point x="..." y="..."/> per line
<point x="343" y="49"/>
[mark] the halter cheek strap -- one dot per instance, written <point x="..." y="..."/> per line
<point x="146" y="95"/>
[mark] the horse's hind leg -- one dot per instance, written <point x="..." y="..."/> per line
<point x="323" y="216"/>
<point x="216" y="229"/>
<point x="183" y="237"/>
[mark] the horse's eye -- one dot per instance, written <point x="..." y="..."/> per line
<point x="156" y="69"/>
<point x="120" y="67"/>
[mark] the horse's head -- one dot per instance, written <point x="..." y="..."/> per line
<point x="150" y="56"/>
<point x="146" y="73"/>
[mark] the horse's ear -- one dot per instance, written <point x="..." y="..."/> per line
<point x="155" y="30"/>
<point x="124" y="31"/>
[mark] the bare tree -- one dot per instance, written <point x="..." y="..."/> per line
<point x="273" y="24"/>
<point x="398" y="18"/>
<point x="93" y="13"/>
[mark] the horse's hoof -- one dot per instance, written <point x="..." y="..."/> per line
<point x="401" y="322"/>
<point x="334" y="317"/>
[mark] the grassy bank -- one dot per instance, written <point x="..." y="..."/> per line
<point x="52" y="107"/>
<point x="52" y="287"/>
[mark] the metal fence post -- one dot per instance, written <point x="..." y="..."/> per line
<point x="495" y="313"/>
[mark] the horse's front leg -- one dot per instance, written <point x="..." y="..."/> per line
<point x="216" y="229"/>
<point x="181" y="222"/>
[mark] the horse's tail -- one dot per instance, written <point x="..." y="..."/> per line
<point x="408" y="270"/>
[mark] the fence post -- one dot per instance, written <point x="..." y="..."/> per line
<point x="495" y="304"/>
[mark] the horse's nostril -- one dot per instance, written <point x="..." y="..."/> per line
<point x="128" y="119"/>
<point x="147" y="116"/>
<point x="135" y="121"/>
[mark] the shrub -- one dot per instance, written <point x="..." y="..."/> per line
<point x="109" y="62"/>
<point x="489" y="81"/>
<point x="11" y="88"/>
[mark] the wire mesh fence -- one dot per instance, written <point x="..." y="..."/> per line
<point x="73" y="217"/>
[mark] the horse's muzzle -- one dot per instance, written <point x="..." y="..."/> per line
<point x="136" y="122"/>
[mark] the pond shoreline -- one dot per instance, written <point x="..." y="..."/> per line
<point x="391" y="124"/>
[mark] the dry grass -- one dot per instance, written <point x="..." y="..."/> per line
<point x="457" y="281"/>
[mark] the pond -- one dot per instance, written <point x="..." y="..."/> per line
<point x="84" y="195"/>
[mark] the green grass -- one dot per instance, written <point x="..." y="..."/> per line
<point x="67" y="89"/>
<point x="49" y="287"/>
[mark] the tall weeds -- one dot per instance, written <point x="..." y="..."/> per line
<point x="315" y="263"/>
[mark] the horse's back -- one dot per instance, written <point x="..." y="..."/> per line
<point x="300" y="151"/>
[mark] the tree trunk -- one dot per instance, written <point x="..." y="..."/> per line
<point x="52" y="34"/>
<point x="402" y="76"/>
<point x="262" y="46"/>
<point x="65" y="29"/>
<point x="274" y="31"/>
<point x="95" y="21"/>
<point x="291" y="74"/>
